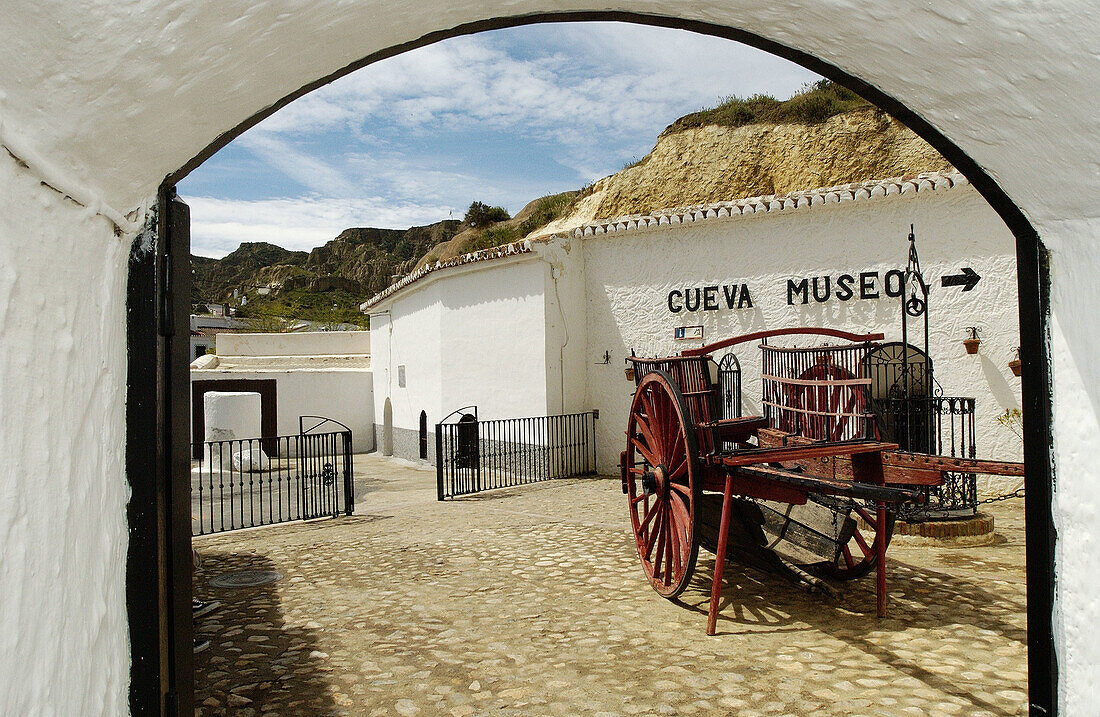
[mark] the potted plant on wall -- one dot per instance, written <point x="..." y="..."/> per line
<point x="972" y="342"/>
<point x="1016" y="365"/>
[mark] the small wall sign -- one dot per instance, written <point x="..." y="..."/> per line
<point x="688" y="333"/>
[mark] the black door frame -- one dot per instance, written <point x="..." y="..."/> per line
<point x="158" y="307"/>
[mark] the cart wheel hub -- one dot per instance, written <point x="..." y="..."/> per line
<point x="656" y="480"/>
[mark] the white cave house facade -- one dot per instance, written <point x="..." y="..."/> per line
<point x="542" y="327"/>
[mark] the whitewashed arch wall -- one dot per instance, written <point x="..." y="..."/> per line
<point x="100" y="101"/>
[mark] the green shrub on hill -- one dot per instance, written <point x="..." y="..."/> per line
<point x="546" y="210"/>
<point x="812" y="105"/>
<point x="482" y="215"/>
<point x="334" y="306"/>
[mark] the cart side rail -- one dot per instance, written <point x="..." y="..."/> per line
<point x="796" y="331"/>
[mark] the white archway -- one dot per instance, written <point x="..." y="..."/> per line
<point x="99" y="104"/>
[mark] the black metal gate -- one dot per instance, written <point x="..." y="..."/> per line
<point x="936" y="425"/>
<point x="250" y="482"/>
<point x="908" y="411"/>
<point x="729" y="386"/>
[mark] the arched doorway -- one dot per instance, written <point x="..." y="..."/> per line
<point x="387" y="428"/>
<point x="423" y="436"/>
<point x="1031" y="266"/>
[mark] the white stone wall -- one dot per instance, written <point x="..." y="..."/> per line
<point x="231" y="415"/>
<point x="493" y="334"/>
<point x="345" y="395"/>
<point x="630" y="274"/>
<point x="473" y="335"/>
<point x="407" y="336"/>
<point x="63" y="647"/>
<point x="102" y="102"/>
<point x="566" y="326"/>
<point x="302" y="343"/>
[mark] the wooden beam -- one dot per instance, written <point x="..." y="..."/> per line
<point x="752" y="456"/>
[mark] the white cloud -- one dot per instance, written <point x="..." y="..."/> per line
<point x="309" y="170"/>
<point x="612" y="77"/>
<point x="218" y="226"/>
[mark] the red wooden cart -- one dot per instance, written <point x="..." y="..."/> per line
<point x="680" y="452"/>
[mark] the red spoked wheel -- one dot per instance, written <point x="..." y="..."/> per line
<point x="857" y="556"/>
<point x="662" y="478"/>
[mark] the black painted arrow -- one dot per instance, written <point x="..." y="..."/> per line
<point x="968" y="279"/>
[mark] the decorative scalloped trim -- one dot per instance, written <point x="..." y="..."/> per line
<point x="875" y="188"/>
<point x="872" y="189"/>
<point x="498" y="252"/>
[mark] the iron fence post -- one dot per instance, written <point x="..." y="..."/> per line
<point x="439" y="461"/>
<point x="595" y="417"/>
<point x="349" y="477"/>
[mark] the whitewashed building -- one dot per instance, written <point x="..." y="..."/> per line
<point x="543" y="327"/>
<point x="322" y="373"/>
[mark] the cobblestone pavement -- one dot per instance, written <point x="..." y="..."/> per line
<point x="532" y="601"/>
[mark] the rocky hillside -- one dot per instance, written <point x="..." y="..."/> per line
<point x="213" y="280"/>
<point x="712" y="163"/>
<point x="355" y="265"/>
<point x="822" y="136"/>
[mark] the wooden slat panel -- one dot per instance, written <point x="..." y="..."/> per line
<point x="818" y="381"/>
<point x="738" y="429"/>
<point x="755" y="487"/>
<point x="812" y="527"/>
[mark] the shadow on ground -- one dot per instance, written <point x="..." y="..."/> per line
<point x="752" y="598"/>
<point x="255" y="658"/>
<point x="754" y="601"/>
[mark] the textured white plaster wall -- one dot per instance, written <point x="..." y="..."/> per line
<point x="1075" y="342"/>
<point x="566" y="331"/>
<point x="1004" y="80"/>
<point x="303" y="343"/>
<point x="231" y="415"/>
<point x="630" y="275"/>
<point x="473" y="335"/>
<point x="408" y="335"/>
<point x="63" y="646"/>
<point x="103" y="101"/>
<point x="493" y="328"/>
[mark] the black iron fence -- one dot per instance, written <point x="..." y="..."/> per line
<point x="262" y="481"/>
<point x="936" y="425"/>
<point x="473" y="455"/>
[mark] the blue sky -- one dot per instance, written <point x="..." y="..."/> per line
<point x="501" y="117"/>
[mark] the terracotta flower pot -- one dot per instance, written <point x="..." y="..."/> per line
<point x="972" y="345"/>
<point x="1017" y="366"/>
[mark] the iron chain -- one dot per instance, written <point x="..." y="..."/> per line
<point x="1018" y="493"/>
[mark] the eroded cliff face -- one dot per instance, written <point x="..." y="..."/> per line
<point x="713" y="164"/>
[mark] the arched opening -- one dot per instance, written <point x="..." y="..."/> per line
<point x="423" y="436"/>
<point x="1032" y="296"/>
<point x="387" y="428"/>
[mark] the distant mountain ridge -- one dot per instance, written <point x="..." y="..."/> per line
<point x="359" y="262"/>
